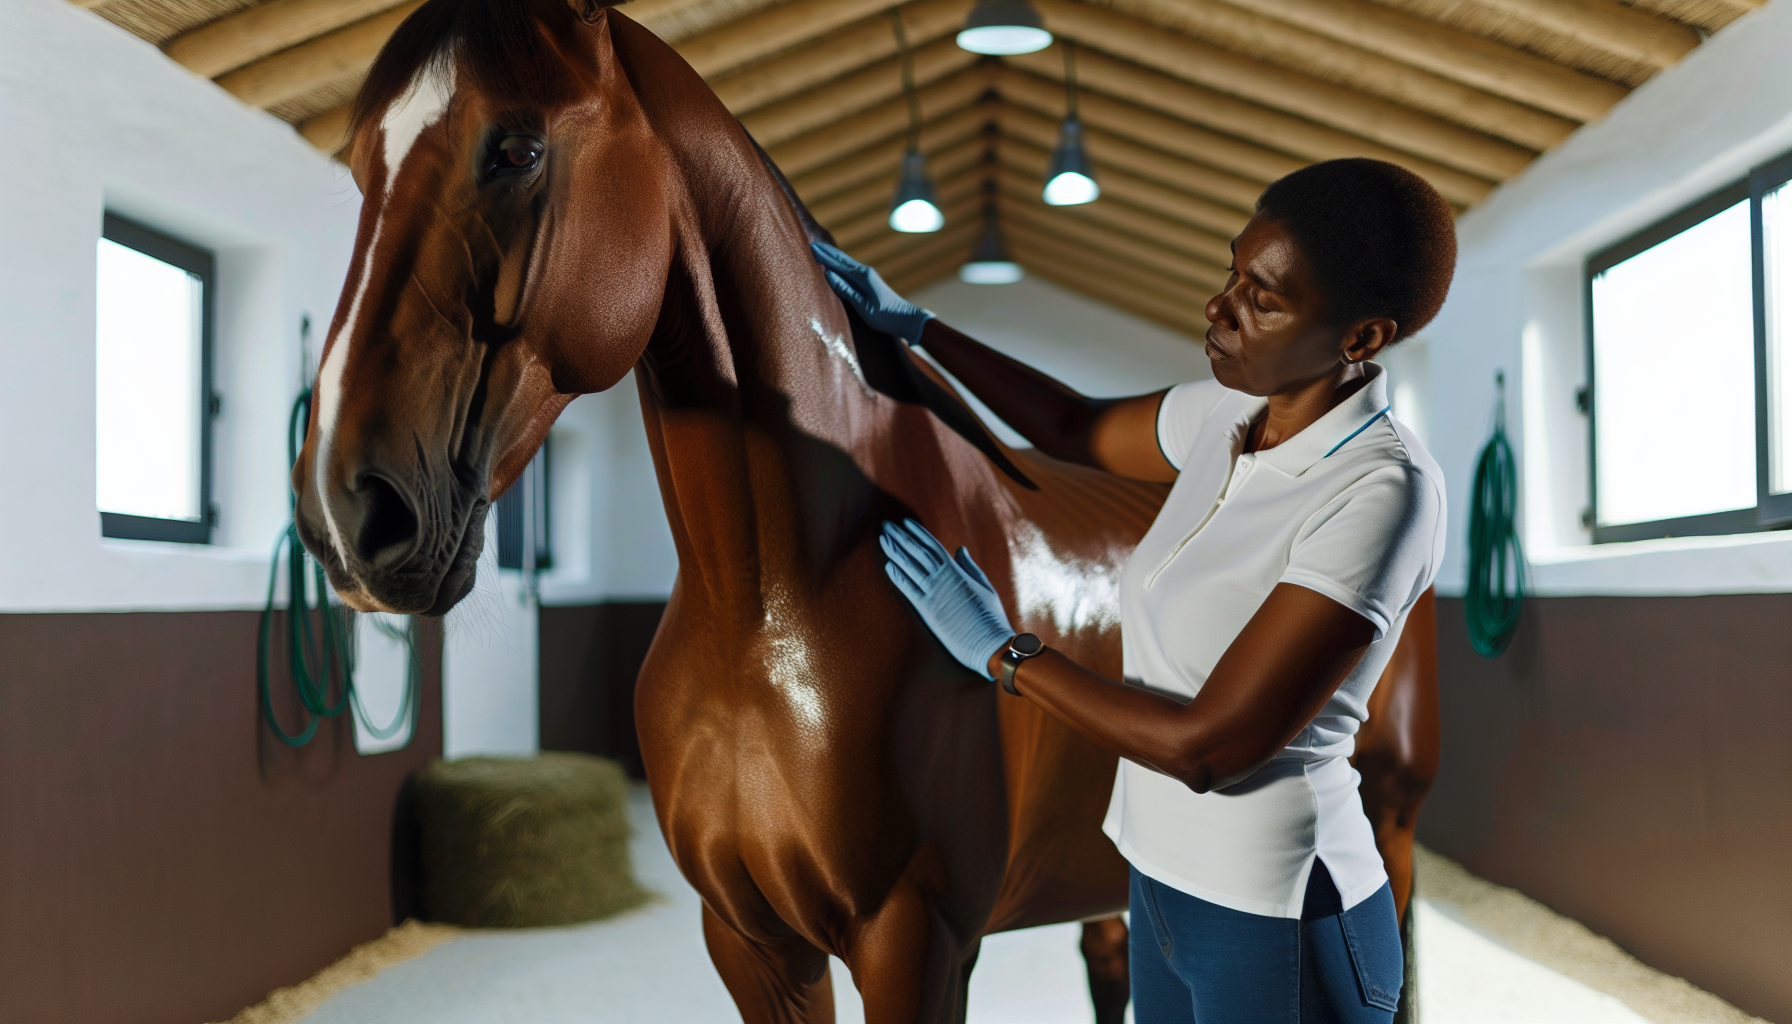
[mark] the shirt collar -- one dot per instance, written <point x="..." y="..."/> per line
<point x="1331" y="432"/>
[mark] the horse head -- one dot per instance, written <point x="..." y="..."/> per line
<point x="515" y="237"/>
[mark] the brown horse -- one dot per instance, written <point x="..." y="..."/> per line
<point x="553" y="197"/>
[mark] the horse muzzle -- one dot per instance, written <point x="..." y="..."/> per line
<point x="387" y="547"/>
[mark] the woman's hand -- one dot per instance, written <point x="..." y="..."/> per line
<point x="860" y="287"/>
<point x="953" y="596"/>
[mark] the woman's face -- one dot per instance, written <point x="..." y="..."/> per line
<point x="1270" y="328"/>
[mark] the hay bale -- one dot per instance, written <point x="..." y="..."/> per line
<point x="525" y="842"/>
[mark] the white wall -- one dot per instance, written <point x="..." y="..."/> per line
<point x="99" y="120"/>
<point x="1517" y="306"/>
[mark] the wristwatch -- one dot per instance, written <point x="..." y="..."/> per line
<point x="1019" y="649"/>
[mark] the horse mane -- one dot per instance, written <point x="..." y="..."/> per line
<point x="514" y="50"/>
<point x="887" y="364"/>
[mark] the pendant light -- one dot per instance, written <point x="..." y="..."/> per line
<point x="1071" y="180"/>
<point x="915" y="209"/>
<point x="990" y="262"/>
<point x="1003" y="28"/>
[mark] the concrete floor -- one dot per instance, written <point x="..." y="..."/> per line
<point x="651" y="966"/>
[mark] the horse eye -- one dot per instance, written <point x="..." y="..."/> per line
<point x="518" y="153"/>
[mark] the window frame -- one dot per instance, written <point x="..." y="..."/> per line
<point x="202" y="264"/>
<point x="1772" y="511"/>
<point x="1712" y="523"/>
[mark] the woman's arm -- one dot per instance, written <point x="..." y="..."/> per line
<point x="1118" y="435"/>
<point x="1271" y="682"/>
<point x="1115" y="434"/>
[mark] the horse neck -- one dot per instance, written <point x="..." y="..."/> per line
<point x="752" y="402"/>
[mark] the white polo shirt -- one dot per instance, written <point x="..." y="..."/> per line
<point x="1352" y="507"/>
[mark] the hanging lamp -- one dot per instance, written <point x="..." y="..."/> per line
<point x="990" y="262"/>
<point x="915" y="209"/>
<point x="1004" y="28"/>
<point x="1071" y="180"/>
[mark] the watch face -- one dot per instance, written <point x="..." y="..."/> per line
<point x="1027" y="644"/>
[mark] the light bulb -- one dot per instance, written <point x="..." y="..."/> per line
<point x="1071" y="189"/>
<point x="991" y="272"/>
<point x="1004" y="40"/>
<point x="917" y="217"/>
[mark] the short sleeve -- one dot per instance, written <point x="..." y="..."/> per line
<point x="1180" y="415"/>
<point x="1375" y="547"/>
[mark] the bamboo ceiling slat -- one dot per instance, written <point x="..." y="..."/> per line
<point x="1190" y="107"/>
<point x="1288" y="46"/>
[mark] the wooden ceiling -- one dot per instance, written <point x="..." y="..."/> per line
<point x="1191" y="106"/>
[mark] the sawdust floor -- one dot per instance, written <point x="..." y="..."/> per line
<point x="1487" y="955"/>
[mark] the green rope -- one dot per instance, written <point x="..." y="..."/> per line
<point x="1495" y="559"/>
<point x="311" y="651"/>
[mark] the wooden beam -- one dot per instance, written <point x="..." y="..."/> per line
<point x="1171" y="134"/>
<point x="1250" y="33"/>
<point x="1388" y="124"/>
<point x="1495" y="67"/>
<point x="946" y="164"/>
<point x="958" y="197"/>
<point x="861" y="43"/>
<point x="1112" y="151"/>
<point x="328" y="131"/>
<point x="874" y="159"/>
<point x="1125" y="248"/>
<point x="952" y="245"/>
<point x="1221" y="112"/>
<point x="677" y="20"/>
<point x="1710" y="15"/>
<point x="253" y="33"/>
<point x="1112" y="285"/>
<point x="926" y="274"/>
<point x="334" y="55"/>
<point x="801" y="155"/>
<point x="1125" y="218"/>
<point x="1033" y="162"/>
<point x="779" y="27"/>
<point x="1606" y="25"/>
<point x="845" y="96"/>
<point x="1149" y="280"/>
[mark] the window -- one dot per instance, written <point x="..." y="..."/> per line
<point x="523" y="519"/>
<point x="153" y="386"/>
<point x="1671" y="379"/>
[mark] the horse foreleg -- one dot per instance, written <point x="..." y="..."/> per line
<point x="1104" y="953"/>
<point x="908" y="963"/>
<point x="784" y="982"/>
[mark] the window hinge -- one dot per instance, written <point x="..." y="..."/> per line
<point x="215" y="406"/>
<point x="1583" y="400"/>
<point x="1586" y="518"/>
<point x="211" y="515"/>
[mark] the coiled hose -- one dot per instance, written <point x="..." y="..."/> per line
<point x="312" y="651"/>
<point x="1495" y="558"/>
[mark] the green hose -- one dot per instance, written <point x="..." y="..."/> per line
<point x="310" y="651"/>
<point x="1495" y="559"/>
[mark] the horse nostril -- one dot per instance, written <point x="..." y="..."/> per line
<point x="388" y="525"/>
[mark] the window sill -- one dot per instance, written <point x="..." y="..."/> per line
<point x="1743" y="563"/>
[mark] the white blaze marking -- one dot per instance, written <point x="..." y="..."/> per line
<point x="421" y="104"/>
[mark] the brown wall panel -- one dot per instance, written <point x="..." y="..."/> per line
<point x="162" y="858"/>
<point x="1627" y="762"/>
<point x="590" y="656"/>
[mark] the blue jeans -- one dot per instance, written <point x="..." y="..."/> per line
<point x="1195" y="961"/>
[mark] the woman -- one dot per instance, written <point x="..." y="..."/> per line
<point x="1258" y="611"/>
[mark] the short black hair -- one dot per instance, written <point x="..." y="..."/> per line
<point x="1378" y="238"/>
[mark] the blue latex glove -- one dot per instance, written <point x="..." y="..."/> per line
<point x="861" y="288"/>
<point x="953" y="596"/>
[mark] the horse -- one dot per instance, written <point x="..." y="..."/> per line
<point x="552" y="197"/>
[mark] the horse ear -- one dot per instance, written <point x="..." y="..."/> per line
<point x="588" y="10"/>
